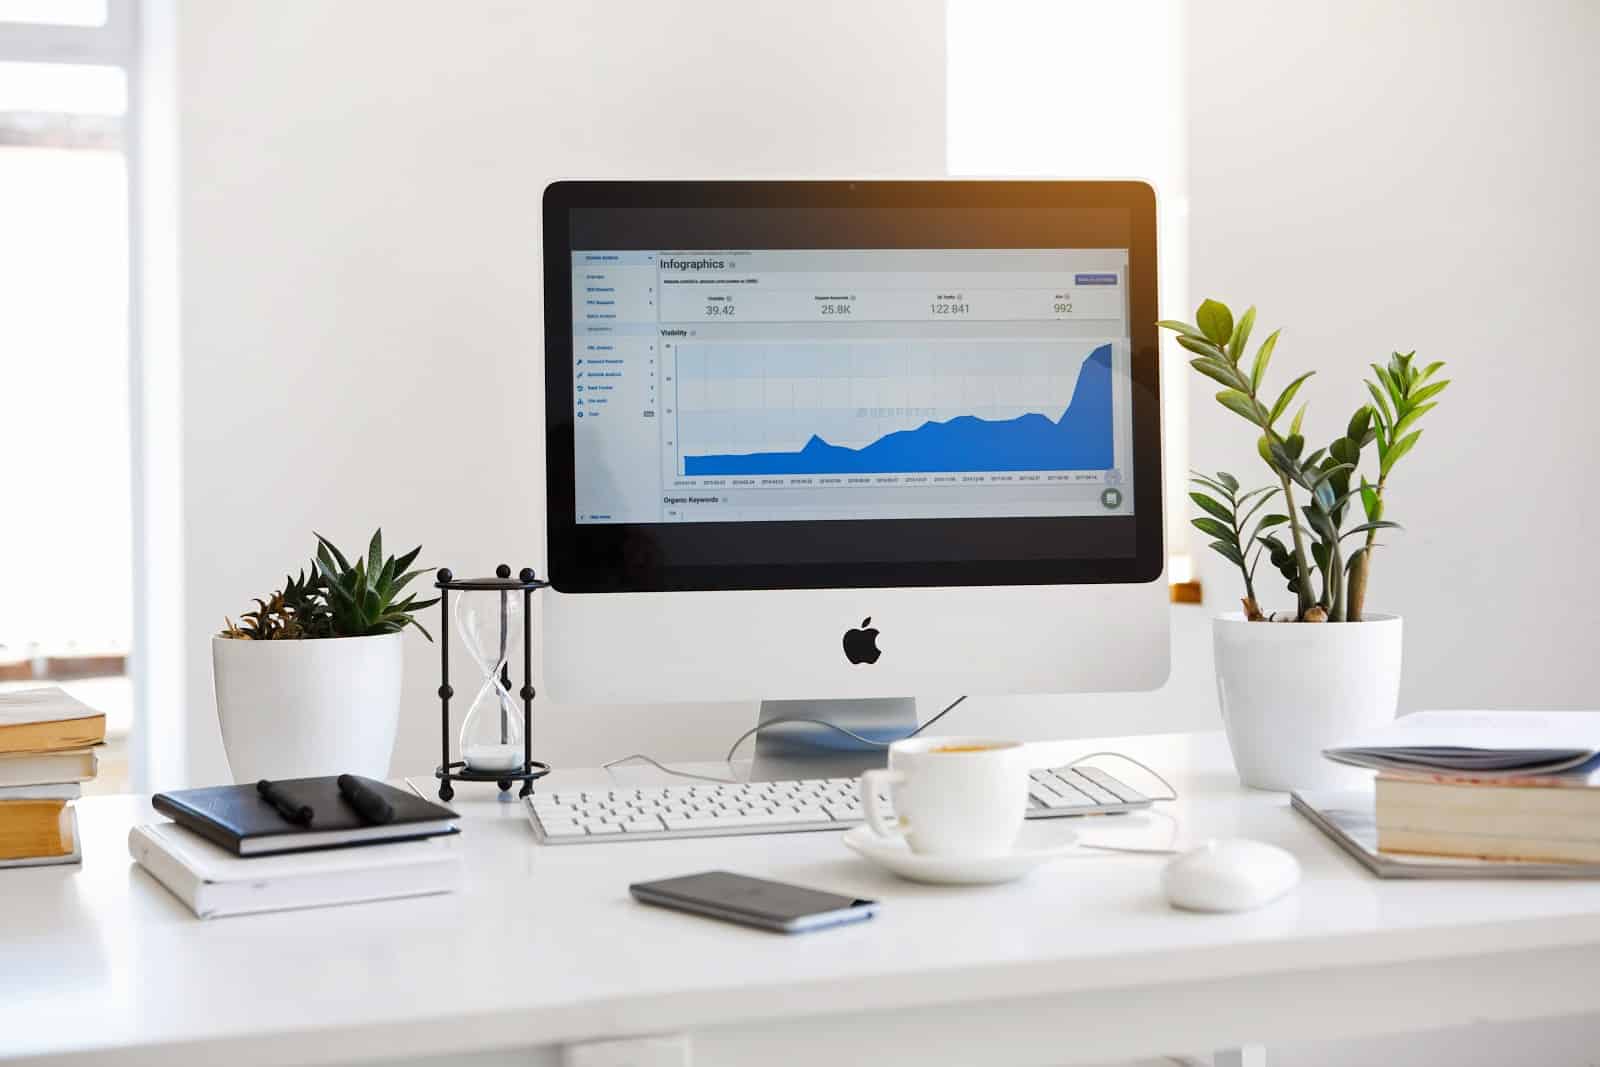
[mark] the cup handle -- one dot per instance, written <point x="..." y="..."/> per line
<point x="871" y="783"/>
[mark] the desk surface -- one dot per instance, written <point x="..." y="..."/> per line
<point x="544" y="946"/>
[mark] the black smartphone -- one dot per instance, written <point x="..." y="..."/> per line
<point x="787" y="909"/>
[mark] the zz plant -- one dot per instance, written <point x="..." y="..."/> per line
<point x="338" y="599"/>
<point x="1328" y="580"/>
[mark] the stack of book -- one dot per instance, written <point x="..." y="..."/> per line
<point x="297" y="843"/>
<point x="47" y="750"/>
<point x="1500" y="786"/>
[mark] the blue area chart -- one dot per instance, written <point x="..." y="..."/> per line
<point x="1080" y="440"/>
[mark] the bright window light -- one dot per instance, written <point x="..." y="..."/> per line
<point x="54" y="12"/>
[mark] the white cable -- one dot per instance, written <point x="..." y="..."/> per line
<point x="669" y="770"/>
<point x="948" y="708"/>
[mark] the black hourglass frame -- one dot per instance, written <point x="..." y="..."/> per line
<point x="502" y="582"/>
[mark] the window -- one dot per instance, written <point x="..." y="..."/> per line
<point x="1074" y="89"/>
<point x="67" y="613"/>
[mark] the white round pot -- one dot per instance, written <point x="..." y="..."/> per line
<point x="300" y="709"/>
<point x="1290" y="690"/>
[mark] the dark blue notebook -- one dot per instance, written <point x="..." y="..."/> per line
<point x="237" y="818"/>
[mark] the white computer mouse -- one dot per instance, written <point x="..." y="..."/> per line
<point x="1229" y="875"/>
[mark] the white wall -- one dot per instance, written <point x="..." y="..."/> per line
<point x="361" y="316"/>
<point x="1377" y="176"/>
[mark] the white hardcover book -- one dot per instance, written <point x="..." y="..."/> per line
<point x="44" y="768"/>
<point x="69" y="829"/>
<point x="215" y="883"/>
<point x="56" y="791"/>
<point x="45" y="704"/>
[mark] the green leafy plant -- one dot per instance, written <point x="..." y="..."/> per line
<point x="338" y="599"/>
<point x="1327" y="584"/>
<point x="1227" y="514"/>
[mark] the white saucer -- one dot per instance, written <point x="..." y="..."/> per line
<point x="897" y="856"/>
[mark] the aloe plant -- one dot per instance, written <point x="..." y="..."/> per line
<point x="364" y="598"/>
<point x="1327" y="584"/>
<point x="337" y="599"/>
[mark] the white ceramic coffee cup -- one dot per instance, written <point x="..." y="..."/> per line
<point x="953" y="796"/>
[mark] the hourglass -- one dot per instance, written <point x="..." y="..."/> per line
<point x="495" y="740"/>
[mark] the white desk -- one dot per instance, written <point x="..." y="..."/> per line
<point x="1082" y="961"/>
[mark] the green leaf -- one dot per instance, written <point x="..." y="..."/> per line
<point x="1217" y="371"/>
<point x="1207" y="504"/>
<point x="1183" y="329"/>
<point x="1241" y="334"/>
<point x="1220" y="531"/>
<point x="1389" y="384"/>
<point x="1263" y="357"/>
<point x="375" y="552"/>
<point x="1360" y="424"/>
<point x="1286" y="396"/>
<point x="1228" y="480"/>
<point x="1381" y="411"/>
<point x="1345" y="450"/>
<point x="1228" y="552"/>
<point x="1215" y="321"/>
<point x="1369" y="499"/>
<point x="1239" y="404"/>
<point x="1201" y="347"/>
<point x="1428" y="371"/>
<point x="1323" y="494"/>
<point x="1268" y="522"/>
<point x="1294" y="444"/>
<point x="406" y="560"/>
<point x="1325" y="473"/>
<point x="1264" y="449"/>
<point x="1429" y="391"/>
<point x="1398" y="449"/>
<point x="1298" y="420"/>
<point x="1411" y="417"/>
<point x="1364" y="527"/>
<point x="344" y="564"/>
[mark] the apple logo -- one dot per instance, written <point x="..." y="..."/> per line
<point x="861" y="645"/>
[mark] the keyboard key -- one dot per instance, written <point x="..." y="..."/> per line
<point x="643" y="826"/>
<point x="1110" y="784"/>
<point x="1096" y="793"/>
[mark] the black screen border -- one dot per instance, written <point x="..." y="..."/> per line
<point x="876" y="553"/>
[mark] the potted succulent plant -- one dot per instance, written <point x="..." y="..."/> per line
<point x="309" y="682"/>
<point x="1288" y="691"/>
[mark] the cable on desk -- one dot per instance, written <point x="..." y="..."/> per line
<point x="948" y="708"/>
<point x="669" y="770"/>
<point x="1172" y="790"/>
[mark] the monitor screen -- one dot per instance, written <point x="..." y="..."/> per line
<point x="756" y="385"/>
<point x="828" y="384"/>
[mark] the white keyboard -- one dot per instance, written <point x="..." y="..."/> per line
<point x="712" y="809"/>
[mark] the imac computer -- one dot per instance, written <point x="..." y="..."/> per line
<point x="827" y="444"/>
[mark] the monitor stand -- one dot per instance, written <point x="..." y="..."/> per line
<point x="789" y="750"/>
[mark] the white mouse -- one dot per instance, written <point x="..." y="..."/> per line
<point x="1229" y="875"/>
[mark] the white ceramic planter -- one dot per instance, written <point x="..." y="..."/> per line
<point x="1290" y="690"/>
<point x="297" y="709"/>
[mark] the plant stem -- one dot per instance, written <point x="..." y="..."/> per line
<point x="1303" y="582"/>
<point x="1357" y="603"/>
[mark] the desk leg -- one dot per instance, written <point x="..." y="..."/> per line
<point x="1244" y="1056"/>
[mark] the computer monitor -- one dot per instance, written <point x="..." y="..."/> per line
<point x="829" y="444"/>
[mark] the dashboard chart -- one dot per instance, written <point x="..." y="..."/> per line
<point x="1070" y="435"/>
<point x="792" y="384"/>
